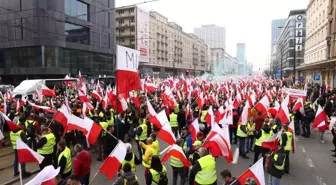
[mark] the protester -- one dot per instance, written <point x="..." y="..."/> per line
<point x="178" y="166"/>
<point x="276" y="166"/>
<point x="110" y="141"/>
<point x="73" y="180"/>
<point x="131" y="158"/>
<point x="82" y="164"/>
<point x="228" y="179"/>
<point x="127" y="176"/>
<point x="45" y="147"/>
<point x="157" y="173"/>
<point x="286" y="143"/>
<point x="149" y="150"/>
<point x="64" y="160"/>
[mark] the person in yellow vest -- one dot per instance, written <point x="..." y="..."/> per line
<point x="146" y="158"/>
<point x="109" y="118"/>
<point x="173" y="122"/>
<point x="45" y="147"/>
<point x="156" y="144"/>
<point x="286" y="143"/>
<point x="204" y="170"/>
<point x="141" y="134"/>
<point x="64" y="160"/>
<point x="157" y="173"/>
<point x="203" y="114"/>
<point x="130" y="158"/>
<point x="261" y="136"/>
<point x="250" y="127"/>
<point x="31" y="131"/>
<point x="275" y="166"/>
<point x="242" y="136"/>
<point x="100" y="139"/>
<point x="13" y="136"/>
<point x="178" y="166"/>
<point x="127" y="176"/>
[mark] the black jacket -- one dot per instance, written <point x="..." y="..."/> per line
<point x="109" y="144"/>
<point x="271" y="169"/>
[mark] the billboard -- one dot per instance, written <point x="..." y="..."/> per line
<point x="127" y="59"/>
<point x="143" y="34"/>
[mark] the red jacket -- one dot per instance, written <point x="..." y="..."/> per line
<point x="82" y="163"/>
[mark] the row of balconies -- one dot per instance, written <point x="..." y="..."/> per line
<point x="123" y="25"/>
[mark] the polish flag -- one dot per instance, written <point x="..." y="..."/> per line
<point x="228" y="118"/>
<point x="176" y="151"/>
<point x="237" y="101"/>
<point x="93" y="130"/>
<point x="274" y="110"/>
<point x="45" y="177"/>
<point x="12" y="126"/>
<point x="113" y="162"/>
<point x="291" y="128"/>
<point x="62" y="116"/>
<point x="123" y="102"/>
<point x="127" y="75"/>
<point x="194" y="129"/>
<point x="200" y="101"/>
<point x="262" y="105"/>
<point x="80" y="79"/>
<point x="105" y="101"/>
<point x="26" y="154"/>
<point x="321" y="120"/>
<point x="210" y="117"/>
<point x="149" y="87"/>
<point x="298" y="104"/>
<point x="96" y="95"/>
<point x="68" y="82"/>
<point x="38" y="107"/>
<point x="256" y="172"/>
<point x="245" y="115"/>
<point x="166" y="134"/>
<point x="76" y="123"/>
<point x="99" y="90"/>
<point x="159" y="119"/>
<point x="283" y="113"/>
<point x="272" y="142"/>
<point x="187" y="112"/>
<point x="48" y="92"/>
<point x="5" y="104"/>
<point x="220" y="113"/>
<point x="151" y="109"/>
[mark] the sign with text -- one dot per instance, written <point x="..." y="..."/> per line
<point x="298" y="32"/>
<point x="295" y="93"/>
<point x="143" y="34"/>
<point x="127" y="59"/>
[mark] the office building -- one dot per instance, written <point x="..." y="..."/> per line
<point x="241" y="57"/>
<point x="49" y="39"/>
<point x="166" y="50"/>
<point x="223" y="63"/>
<point x="290" y="46"/>
<point x="277" y="26"/>
<point x="214" y="36"/>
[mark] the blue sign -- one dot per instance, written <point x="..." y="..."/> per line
<point x="278" y="74"/>
<point x="317" y="77"/>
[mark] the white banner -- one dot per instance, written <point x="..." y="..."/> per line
<point x="127" y="59"/>
<point x="143" y="34"/>
<point x="296" y="92"/>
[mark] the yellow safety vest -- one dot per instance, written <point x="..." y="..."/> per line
<point x="90" y="114"/>
<point x="291" y="116"/>
<point x="176" y="162"/>
<point x="143" y="135"/>
<point x="173" y="120"/>
<point x="274" y="127"/>
<point x="104" y="125"/>
<point x="156" y="175"/>
<point x="101" y="114"/>
<point x="67" y="154"/>
<point x="129" y="118"/>
<point x="282" y="167"/>
<point x="13" y="137"/>
<point x="204" y="112"/>
<point x="240" y="132"/>
<point x="125" y="180"/>
<point x="208" y="173"/>
<point x="148" y="164"/>
<point x="131" y="162"/>
<point x="48" y="148"/>
<point x="157" y="149"/>
<point x="110" y="121"/>
<point x="250" y="127"/>
<point x="288" y="146"/>
<point x="29" y="122"/>
<point x="264" y="136"/>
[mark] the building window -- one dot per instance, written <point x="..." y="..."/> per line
<point x="77" y="9"/>
<point x="131" y="10"/>
<point x="76" y="33"/>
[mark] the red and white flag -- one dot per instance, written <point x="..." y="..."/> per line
<point x="127" y="75"/>
<point x="283" y="113"/>
<point x="48" y="92"/>
<point x="194" y="129"/>
<point x="62" y="116"/>
<point x="274" y="110"/>
<point x="112" y="163"/>
<point x="166" y="134"/>
<point x="76" y="123"/>
<point x="177" y="152"/>
<point x="26" y="154"/>
<point x="96" y="95"/>
<point x="291" y="128"/>
<point x="149" y="87"/>
<point x="298" y="104"/>
<point x="12" y="126"/>
<point x="245" y="115"/>
<point x="150" y="109"/>
<point x="262" y="105"/>
<point x="256" y="172"/>
<point x="321" y="120"/>
<point x="93" y="130"/>
<point x="45" y="177"/>
<point x="38" y="107"/>
<point x="210" y="116"/>
<point x="159" y="119"/>
<point x="200" y="101"/>
<point x="272" y="142"/>
<point x="123" y="102"/>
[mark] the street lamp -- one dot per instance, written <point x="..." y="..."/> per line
<point x="294" y="63"/>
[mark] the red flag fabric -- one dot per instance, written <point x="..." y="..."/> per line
<point x="245" y="115"/>
<point x="166" y="134"/>
<point x="76" y="123"/>
<point x="298" y="104"/>
<point x="38" y="107"/>
<point x="283" y="113"/>
<point x="26" y="154"/>
<point x="159" y="119"/>
<point x="150" y="109"/>
<point x="149" y="87"/>
<point x="194" y="129"/>
<point x="48" y="92"/>
<point x="200" y="101"/>
<point x="176" y="151"/>
<point x="62" y="116"/>
<point x="272" y="142"/>
<point x="96" y="95"/>
<point x="256" y="172"/>
<point x="112" y="163"/>
<point x="210" y="117"/>
<point x="321" y="120"/>
<point x="93" y="130"/>
<point x="12" y="126"/>
<point x="45" y="177"/>
<point x="262" y="105"/>
<point x="127" y="81"/>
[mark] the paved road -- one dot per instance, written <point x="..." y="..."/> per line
<point x="310" y="165"/>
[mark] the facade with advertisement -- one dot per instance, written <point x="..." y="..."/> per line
<point x="142" y="35"/>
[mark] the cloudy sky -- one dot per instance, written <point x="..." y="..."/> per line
<point x="247" y="21"/>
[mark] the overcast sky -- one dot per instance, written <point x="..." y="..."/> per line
<point x="247" y="21"/>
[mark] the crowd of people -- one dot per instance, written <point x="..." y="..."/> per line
<point x="132" y="125"/>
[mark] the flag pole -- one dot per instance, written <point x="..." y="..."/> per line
<point x="94" y="176"/>
<point x="20" y="171"/>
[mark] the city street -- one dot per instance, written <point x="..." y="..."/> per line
<point x="312" y="164"/>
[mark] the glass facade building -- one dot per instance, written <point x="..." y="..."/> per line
<point x="58" y="38"/>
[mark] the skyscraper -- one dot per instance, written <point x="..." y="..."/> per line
<point x="276" y="32"/>
<point x="241" y="57"/>
<point x="214" y="36"/>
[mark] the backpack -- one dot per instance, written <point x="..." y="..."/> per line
<point x="132" y="181"/>
<point x="163" y="180"/>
